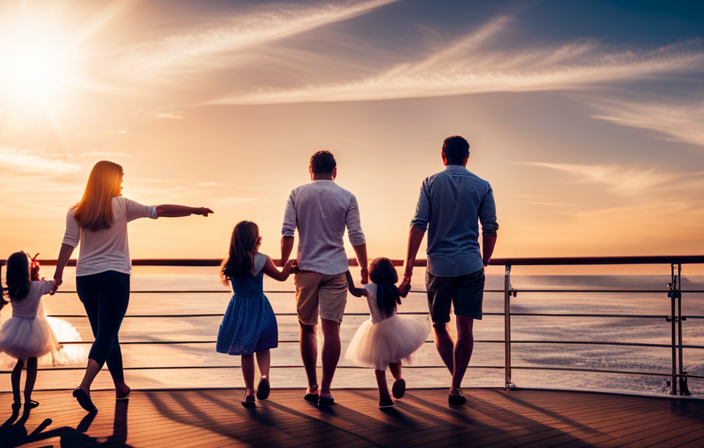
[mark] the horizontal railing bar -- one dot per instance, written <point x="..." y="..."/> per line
<point x="497" y="291"/>
<point x="237" y="367"/>
<point x="163" y="316"/>
<point x="406" y="313"/>
<point x="564" y="261"/>
<point x="624" y="344"/>
<point x="290" y="341"/>
<point x="532" y="261"/>
<point x="645" y="291"/>
<point x="574" y="369"/>
<point x="632" y="316"/>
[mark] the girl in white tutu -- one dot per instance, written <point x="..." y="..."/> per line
<point x="385" y="339"/>
<point x="27" y="335"/>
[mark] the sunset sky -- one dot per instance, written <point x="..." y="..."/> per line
<point x="587" y="117"/>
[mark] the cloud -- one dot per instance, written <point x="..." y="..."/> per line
<point x="474" y="65"/>
<point x="21" y="162"/>
<point x="617" y="178"/>
<point x="207" y="48"/>
<point x="679" y="122"/>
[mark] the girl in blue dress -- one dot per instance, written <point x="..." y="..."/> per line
<point x="249" y="325"/>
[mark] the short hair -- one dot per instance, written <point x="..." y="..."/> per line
<point x="322" y="162"/>
<point x="456" y="150"/>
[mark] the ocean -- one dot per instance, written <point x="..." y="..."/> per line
<point x="161" y="332"/>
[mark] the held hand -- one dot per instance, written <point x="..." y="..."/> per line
<point x="54" y="287"/>
<point x="405" y="287"/>
<point x="365" y="275"/>
<point x="203" y="211"/>
<point x="486" y="262"/>
<point x="294" y="266"/>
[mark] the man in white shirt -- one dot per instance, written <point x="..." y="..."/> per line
<point x="321" y="210"/>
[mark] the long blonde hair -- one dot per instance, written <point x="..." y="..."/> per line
<point x="94" y="211"/>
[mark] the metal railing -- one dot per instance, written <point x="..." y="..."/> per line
<point x="678" y="376"/>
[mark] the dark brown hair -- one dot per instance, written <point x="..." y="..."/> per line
<point x="243" y="246"/>
<point x="456" y="150"/>
<point x="322" y="162"/>
<point x="17" y="276"/>
<point x="383" y="274"/>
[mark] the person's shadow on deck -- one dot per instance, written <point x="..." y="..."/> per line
<point x="14" y="434"/>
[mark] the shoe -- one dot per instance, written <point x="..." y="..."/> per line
<point x="84" y="400"/>
<point x="248" y="401"/>
<point x="16" y="405"/>
<point x="387" y="404"/>
<point x="312" y="396"/>
<point x="326" y="401"/>
<point x="124" y="397"/>
<point x="456" y="400"/>
<point x="399" y="388"/>
<point x="31" y="404"/>
<point x="263" y="389"/>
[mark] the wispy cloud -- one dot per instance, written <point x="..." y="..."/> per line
<point x="473" y="65"/>
<point x="206" y="48"/>
<point x="678" y="122"/>
<point x="15" y="162"/>
<point x="617" y="178"/>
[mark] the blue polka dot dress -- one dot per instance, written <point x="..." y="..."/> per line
<point x="249" y="325"/>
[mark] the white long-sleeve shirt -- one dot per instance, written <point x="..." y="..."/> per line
<point x="321" y="210"/>
<point x="106" y="249"/>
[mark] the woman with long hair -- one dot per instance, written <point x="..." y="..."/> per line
<point x="99" y="224"/>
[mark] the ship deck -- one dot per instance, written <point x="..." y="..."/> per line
<point x="491" y="418"/>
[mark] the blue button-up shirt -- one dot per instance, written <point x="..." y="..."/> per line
<point x="450" y="206"/>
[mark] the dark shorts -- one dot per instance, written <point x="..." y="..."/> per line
<point x="465" y="292"/>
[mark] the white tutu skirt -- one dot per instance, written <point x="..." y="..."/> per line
<point x="391" y="340"/>
<point x="24" y="338"/>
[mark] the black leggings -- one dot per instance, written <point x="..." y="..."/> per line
<point x="105" y="297"/>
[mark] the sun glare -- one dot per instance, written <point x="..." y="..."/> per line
<point x="35" y="67"/>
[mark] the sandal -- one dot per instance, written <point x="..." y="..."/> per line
<point x="386" y="404"/>
<point x="456" y="400"/>
<point x="124" y="397"/>
<point x="399" y="388"/>
<point x="312" y="396"/>
<point x="31" y="404"/>
<point x="248" y="401"/>
<point x="263" y="389"/>
<point x="326" y="401"/>
<point x="84" y="400"/>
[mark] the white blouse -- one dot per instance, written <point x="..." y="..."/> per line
<point x="106" y="249"/>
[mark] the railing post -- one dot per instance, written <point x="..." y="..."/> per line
<point x="508" y="384"/>
<point x="673" y="318"/>
<point x="683" y="388"/>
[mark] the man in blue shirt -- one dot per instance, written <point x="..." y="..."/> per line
<point x="450" y="206"/>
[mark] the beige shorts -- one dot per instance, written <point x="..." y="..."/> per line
<point x="320" y="291"/>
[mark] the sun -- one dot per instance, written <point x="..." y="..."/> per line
<point x="35" y="67"/>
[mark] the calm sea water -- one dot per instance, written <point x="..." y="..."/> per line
<point x="196" y="351"/>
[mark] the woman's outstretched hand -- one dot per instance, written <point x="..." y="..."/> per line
<point x="203" y="211"/>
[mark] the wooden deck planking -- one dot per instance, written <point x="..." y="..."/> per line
<point x="492" y="418"/>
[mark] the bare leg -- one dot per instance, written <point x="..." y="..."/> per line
<point x="15" y="380"/>
<point x="248" y="373"/>
<point x="463" y="351"/>
<point x="92" y="371"/>
<point x="309" y="354"/>
<point x="384" y="397"/>
<point x="331" y="354"/>
<point x="444" y="344"/>
<point x="264" y="362"/>
<point x="395" y="368"/>
<point x="31" y="379"/>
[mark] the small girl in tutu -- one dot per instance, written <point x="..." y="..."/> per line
<point x="27" y="335"/>
<point x="385" y="339"/>
<point x="249" y="325"/>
